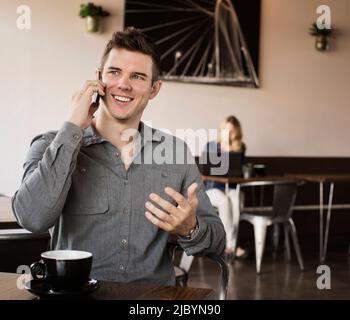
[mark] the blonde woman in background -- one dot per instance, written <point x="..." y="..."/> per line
<point x="229" y="140"/>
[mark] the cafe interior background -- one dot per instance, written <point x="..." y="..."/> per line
<point x="299" y="112"/>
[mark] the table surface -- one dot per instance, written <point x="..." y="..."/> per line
<point x="290" y="176"/>
<point x="320" y="177"/>
<point x="110" y="290"/>
<point x="244" y="180"/>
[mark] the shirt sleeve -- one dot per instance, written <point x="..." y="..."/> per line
<point x="48" y="167"/>
<point x="210" y="236"/>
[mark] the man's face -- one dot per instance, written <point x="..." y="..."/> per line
<point x="128" y="79"/>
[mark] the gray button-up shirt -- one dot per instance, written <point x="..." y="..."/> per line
<point x="75" y="185"/>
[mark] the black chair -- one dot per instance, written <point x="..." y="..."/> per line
<point x="284" y="193"/>
<point x="20" y="247"/>
<point x="183" y="268"/>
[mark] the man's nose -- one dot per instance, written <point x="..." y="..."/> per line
<point x="124" y="83"/>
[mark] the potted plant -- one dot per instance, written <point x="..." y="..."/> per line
<point x="92" y="14"/>
<point x="322" y="37"/>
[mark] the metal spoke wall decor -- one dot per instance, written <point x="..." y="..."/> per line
<point x="202" y="41"/>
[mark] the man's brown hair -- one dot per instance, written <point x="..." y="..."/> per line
<point x="133" y="39"/>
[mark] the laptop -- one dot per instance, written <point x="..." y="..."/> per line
<point x="226" y="164"/>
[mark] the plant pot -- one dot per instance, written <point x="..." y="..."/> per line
<point x="92" y="23"/>
<point x="321" y="43"/>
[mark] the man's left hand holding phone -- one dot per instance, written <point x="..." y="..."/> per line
<point x="83" y="106"/>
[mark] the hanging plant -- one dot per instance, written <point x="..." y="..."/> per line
<point x="92" y="14"/>
<point x="321" y="37"/>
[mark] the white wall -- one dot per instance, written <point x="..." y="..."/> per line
<point x="301" y="109"/>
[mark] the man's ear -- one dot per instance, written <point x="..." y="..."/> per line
<point x="155" y="88"/>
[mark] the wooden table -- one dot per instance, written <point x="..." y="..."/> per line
<point x="110" y="290"/>
<point x="321" y="179"/>
<point x="7" y="218"/>
<point x="243" y="180"/>
<point x="238" y="180"/>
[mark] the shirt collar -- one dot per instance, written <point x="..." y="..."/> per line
<point x="147" y="134"/>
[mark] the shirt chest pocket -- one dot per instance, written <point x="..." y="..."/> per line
<point x="157" y="180"/>
<point x="89" y="191"/>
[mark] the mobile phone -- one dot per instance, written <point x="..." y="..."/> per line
<point x="98" y="97"/>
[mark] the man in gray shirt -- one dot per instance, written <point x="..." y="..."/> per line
<point x="98" y="189"/>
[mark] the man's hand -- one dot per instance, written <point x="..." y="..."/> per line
<point x="82" y="110"/>
<point x="178" y="220"/>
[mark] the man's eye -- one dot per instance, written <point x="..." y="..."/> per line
<point x="137" y="77"/>
<point x="114" y="72"/>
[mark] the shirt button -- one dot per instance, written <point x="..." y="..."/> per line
<point x="125" y="211"/>
<point x="125" y="182"/>
<point x="117" y="154"/>
<point x="124" y="241"/>
<point x="82" y="170"/>
<point x="121" y="267"/>
<point x="76" y="136"/>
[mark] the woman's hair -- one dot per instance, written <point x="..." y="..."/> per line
<point x="237" y="144"/>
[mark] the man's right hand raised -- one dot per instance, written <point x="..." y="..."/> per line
<point x="82" y="109"/>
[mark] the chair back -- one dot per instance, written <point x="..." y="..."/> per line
<point x="283" y="200"/>
<point x="186" y="262"/>
<point x="282" y="193"/>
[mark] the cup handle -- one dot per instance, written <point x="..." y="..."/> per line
<point x="38" y="269"/>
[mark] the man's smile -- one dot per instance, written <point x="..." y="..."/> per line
<point x="121" y="98"/>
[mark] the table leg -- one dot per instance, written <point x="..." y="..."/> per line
<point x="321" y="221"/>
<point x="330" y="200"/>
<point x="236" y="212"/>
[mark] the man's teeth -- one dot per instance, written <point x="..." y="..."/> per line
<point x="122" y="99"/>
